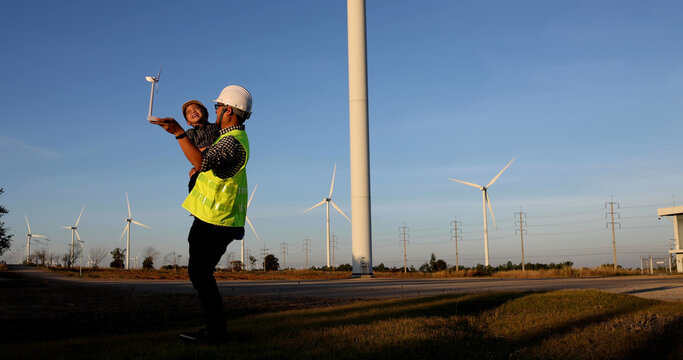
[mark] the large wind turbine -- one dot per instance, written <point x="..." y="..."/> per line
<point x="250" y="225"/>
<point x="154" y="80"/>
<point x="328" y="201"/>
<point x="28" y="239"/>
<point x="127" y="230"/>
<point x="74" y="231"/>
<point x="485" y="200"/>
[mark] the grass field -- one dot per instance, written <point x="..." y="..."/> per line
<point x="58" y="320"/>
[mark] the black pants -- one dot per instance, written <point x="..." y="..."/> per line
<point x="207" y="245"/>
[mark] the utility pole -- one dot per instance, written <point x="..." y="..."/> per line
<point x="283" y="250"/>
<point x="457" y="234"/>
<point x="611" y="214"/>
<point x="521" y="230"/>
<point x="405" y="230"/>
<point x="264" y="253"/>
<point x="307" y="248"/>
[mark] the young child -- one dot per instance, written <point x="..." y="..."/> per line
<point x="202" y="134"/>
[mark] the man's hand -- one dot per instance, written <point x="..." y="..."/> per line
<point x="169" y="124"/>
<point x="193" y="171"/>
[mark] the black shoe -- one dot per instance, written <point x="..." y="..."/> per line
<point x="202" y="337"/>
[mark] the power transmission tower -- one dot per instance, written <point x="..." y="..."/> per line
<point x="333" y="246"/>
<point x="405" y="230"/>
<point x="264" y="253"/>
<point x="611" y="214"/>
<point x="522" y="230"/>
<point x="307" y="248"/>
<point x="283" y="250"/>
<point x="457" y="235"/>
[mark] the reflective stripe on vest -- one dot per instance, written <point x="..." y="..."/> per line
<point x="221" y="201"/>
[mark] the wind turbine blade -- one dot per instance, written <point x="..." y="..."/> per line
<point x="315" y="206"/>
<point x="125" y="228"/>
<point x="159" y="73"/>
<point x="488" y="201"/>
<point x="128" y="202"/>
<point x="79" y="216"/>
<point x="252" y="195"/>
<point x="341" y="212"/>
<point x="334" y="172"/>
<point x="497" y="176"/>
<point x="141" y="224"/>
<point x="467" y="183"/>
<point x="38" y="236"/>
<point x="66" y="227"/>
<point x="78" y="236"/>
<point x="252" y="228"/>
<point x="27" y="225"/>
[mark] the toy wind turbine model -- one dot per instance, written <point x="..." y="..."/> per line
<point x="485" y="200"/>
<point x="28" y="239"/>
<point x="250" y="225"/>
<point x="328" y="201"/>
<point x="127" y="229"/>
<point x="154" y="80"/>
<point x="74" y="231"/>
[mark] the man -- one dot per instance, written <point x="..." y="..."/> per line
<point x="202" y="134"/>
<point x="218" y="201"/>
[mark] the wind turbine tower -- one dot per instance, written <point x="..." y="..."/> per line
<point x="328" y="201"/>
<point x="28" y="239"/>
<point x="74" y="231"/>
<point x="485" y="200"/>
<point x="127" y="230"/>
<point x="359" y="141"/>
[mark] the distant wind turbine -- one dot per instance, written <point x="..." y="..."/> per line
<point x="74" y="231"/>
<point x="154" y="80"/>
<point x="127" y="230"/>
<point x="328" y="201"/>
<point x="250" y="225"/>
<point x="28" y="239"/>
<point x="485" y="200"/>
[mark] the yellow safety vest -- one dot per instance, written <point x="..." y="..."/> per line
<point x="221" y="201"/>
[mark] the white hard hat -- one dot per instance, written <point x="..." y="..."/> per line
<point x="237" y="97"/>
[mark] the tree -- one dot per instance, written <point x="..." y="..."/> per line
<point x="97" y="255"/>
<point x="252" y="261"/>
<point x="271" y="263"/>
<point x="118" y="256"/>
<point x="150" y="253"/>
<point x="5" y="236"/>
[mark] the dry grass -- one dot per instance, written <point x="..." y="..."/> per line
<point x="565" y="272"/>
<point x="3" y="267"/>
<point x="181" y="274"/>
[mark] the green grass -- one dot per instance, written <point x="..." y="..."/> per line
<point x="48" y="320"/>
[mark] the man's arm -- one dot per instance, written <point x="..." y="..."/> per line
<point x="172" y="127"/>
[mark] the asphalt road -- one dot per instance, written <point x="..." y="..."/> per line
<point x="669" y="288"/>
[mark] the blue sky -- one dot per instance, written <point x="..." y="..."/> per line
<point x="586" y="95"/>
